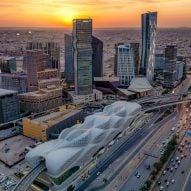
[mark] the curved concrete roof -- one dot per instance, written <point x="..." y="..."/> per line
<point x="76" y="145"/>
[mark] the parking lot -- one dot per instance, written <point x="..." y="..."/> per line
<point x="12" y="150"/>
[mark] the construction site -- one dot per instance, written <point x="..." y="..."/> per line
<point x="41" y="100"/>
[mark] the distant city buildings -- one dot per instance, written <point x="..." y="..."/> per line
<point x="149" y="26"/>
<point x="125" y="64"/>
<point x="9" y="106"/>
<point x="82" y="47"/>
<point x="7" y="64"/>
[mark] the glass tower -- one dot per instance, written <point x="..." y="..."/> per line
<point x="125" y="64"/>
<point x="82" y="47"/>
<point x="149" y="26"/>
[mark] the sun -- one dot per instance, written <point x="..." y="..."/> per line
<point x="66" y="16"/>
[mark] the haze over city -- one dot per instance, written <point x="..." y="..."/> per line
<point x="106" y="14"/>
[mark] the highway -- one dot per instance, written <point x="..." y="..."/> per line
<point x="26" y="181"/>
<point x="147" y="131"/>
<point x="154" y="152"/>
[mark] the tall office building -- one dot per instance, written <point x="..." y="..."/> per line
<point x="170" y="66"/>
<point x="149" y="26"/>
<point x="82" y="47"/>
<point x="125" y="64"/>
<point x="97" y="59"/>
<point x="136" y="58"/>
<point x="69" y="61"/>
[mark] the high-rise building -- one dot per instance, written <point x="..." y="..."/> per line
<point x="69" y="61"/>
<point x="97" y="59"/>
<point x="159" y="63"/>
<point x="125" y="64"/>
<point x="82" y="47"/>
<point x="9" y="106"/>
<point x="149" y="26"/>
<point x="136" y="57"/>
<point x="170" y="66"/>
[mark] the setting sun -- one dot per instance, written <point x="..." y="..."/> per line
<point x="67" y="16"/>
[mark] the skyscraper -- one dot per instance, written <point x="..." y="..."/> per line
<point x="170" y="66"/>
<point x="82" y="47"/>
<point x="136" y="58"/>
<point x="97" y="59"/>
<point x="69" y="61"/>
<point x="149" y="26"/>
<point x="125" y="64"/>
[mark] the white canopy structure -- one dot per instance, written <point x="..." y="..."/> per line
<point x="76" y="146"/>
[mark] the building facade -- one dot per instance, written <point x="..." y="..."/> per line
<point x="125" y="64"/>
<point x="9" y="106"/>
<point x="97" y="58"/>
<point x="149" y="26"/>
<point x="15" y="81"/>
<point x="69" y="59"/>
<point x="82" y="47"/>
<point x="8" y="64"/>
<point x="170" y="68"/>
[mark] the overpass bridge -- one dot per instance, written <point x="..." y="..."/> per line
<point x="26" y="181"/>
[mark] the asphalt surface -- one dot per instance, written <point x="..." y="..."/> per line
<point x="152" y="156"/>
<point x="131" y="142"/>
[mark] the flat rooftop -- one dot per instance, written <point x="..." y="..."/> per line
<point x="55" y="117"/>
<point x="4" y="92"/>
<point x="12" y="149"/>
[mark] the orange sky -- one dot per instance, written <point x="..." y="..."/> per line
<point x="105" y="13"/>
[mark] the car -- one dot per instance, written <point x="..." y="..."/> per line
<point x="172" y="181"/>
<point x="176" y="167"/>
<point x="173" y="164"/>
<point x="98" y="173"/>
<point x="136" y="173"/>
<point x="148" y="167"/>
<point x="167" y="184"/>
<point x="182" y="156"/>
<point x="177" y="158"/>
<point x="178" y="162"/>
<point x="182" y="171"/>
<point x="171" y="169"/>
<point x="185" y="156"/>
<point x="165" y="180"/>
<point x="164" y="172"/>
<point x="159" y="183"/>
<point x="167" y="169"/>
<point x="161" y="188"/>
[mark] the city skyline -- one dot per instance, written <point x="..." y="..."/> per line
<point x="59" y="13"/>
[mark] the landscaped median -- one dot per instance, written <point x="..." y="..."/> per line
<point x="159" y="165"/>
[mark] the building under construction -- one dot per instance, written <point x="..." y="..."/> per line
<point x="41" y="100"/>
<point x="39" y="76"/>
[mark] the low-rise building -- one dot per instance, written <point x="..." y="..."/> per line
<point x="44" y="127"/>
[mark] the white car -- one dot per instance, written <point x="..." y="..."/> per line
<point x="161" y="188"/>
<point x="172" y="181"/>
